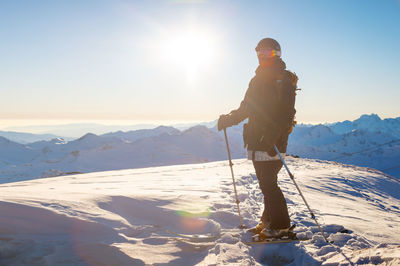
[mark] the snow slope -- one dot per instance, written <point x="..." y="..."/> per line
<point x="121" y="217"/>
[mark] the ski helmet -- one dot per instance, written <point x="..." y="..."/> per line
<point x="269" y="44"/>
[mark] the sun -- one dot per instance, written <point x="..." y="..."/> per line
<point x="190" y="49"/>
<point x="190" y="45"/>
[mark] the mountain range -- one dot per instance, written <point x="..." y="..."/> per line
<point x="76" y="130"/>
<point x="25" y="138"/>
<point x="368" y="141"/>
<point x="112" y="151"/>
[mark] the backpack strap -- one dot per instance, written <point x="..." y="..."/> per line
<point x="285" y="78"/>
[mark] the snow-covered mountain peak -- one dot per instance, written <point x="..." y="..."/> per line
<point x="166" y="129"/>
<point x="135" y="135"/>
<point x="371" y="117"/>
<point x="91" y="141"/>
<point x="371" y="121"/>
<point x="320" y="130"/>
<point x="88" y="137"/>
<point x="374" y="123"/>
<point x="58" y="141"/>
<point x="199" y="130"/>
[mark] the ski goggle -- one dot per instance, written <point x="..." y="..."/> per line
<point x="268" y="53"/>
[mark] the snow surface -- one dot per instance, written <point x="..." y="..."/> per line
<point x="121" y="217"/>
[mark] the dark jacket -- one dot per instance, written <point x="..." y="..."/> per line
<point x="269" y="106"/>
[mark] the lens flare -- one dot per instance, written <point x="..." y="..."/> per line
<point x="193" y="222"/>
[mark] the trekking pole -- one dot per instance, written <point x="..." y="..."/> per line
<point x="301" y="194"/>
<point x="233" y="180"/>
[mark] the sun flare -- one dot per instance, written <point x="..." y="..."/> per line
<point x="191" y="49"/>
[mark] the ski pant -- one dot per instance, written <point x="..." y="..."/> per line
<point x="275" y="213"/>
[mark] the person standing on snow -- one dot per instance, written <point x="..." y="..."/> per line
<point x="269" y="106"/>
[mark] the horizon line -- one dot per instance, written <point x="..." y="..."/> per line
<point x="23" y="123"/>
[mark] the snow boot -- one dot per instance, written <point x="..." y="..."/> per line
<point x="269" y="233"/>
<point x="258" y="228"/>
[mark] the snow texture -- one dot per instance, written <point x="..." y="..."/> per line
<point x="122" y="217"/>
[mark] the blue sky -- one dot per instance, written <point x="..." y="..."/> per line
<point x="124" y="60"/>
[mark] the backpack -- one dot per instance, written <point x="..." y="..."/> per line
<point x="287" y="87"/>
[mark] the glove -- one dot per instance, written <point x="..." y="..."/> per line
<point x="224" y="122"/>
